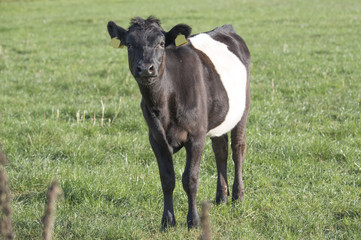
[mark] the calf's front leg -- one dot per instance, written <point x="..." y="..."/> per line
<point x="194" y="148"/>
<point x="167" y="177"/>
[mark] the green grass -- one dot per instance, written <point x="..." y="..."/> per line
<point x="302" y="171"/>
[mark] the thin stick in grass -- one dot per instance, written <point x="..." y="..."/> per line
<point x="6" y="222"/>
<point x="103" y="109"/>
<point x="49" y="215"/>
<point x="206" y="231"/>
<point x="3" y="158"/>
<point x="117" y="112"/>
<point x="94" y="119"/>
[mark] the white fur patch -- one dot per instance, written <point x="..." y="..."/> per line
<point x="233" y="75"/>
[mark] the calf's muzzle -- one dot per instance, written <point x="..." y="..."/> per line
<point x="146" y="70"/>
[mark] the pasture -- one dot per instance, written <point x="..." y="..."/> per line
<point x="69" y="109"/>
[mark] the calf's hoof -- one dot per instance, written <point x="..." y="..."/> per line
<point x="221" y="195"/>
<point x="220" y="198"/>
<point x="168" y="220"/>
<point x="193" y="222"/>
<point x="237" y="196"/>
<point x="237" y="192"/>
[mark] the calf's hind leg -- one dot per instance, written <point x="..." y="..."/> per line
<point x="238" y="145"/>
<point x="220" y="149"/>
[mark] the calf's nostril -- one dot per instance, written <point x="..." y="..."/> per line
<point x="151" y="69"/>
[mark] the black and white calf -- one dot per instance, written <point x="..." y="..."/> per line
<point x="190" y="92"/>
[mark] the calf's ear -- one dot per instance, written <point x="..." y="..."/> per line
<point x="116" y="32"/>
<point x="180" y="29"/>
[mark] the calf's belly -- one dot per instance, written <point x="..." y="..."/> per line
<point x="233" y="75"/>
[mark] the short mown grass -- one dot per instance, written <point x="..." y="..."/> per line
<point x="69" y="109"/>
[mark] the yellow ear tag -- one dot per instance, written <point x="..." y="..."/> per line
<point x="115" y="43"/>
<point x="180" y="40"/>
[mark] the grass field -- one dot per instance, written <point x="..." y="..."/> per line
<point x="59" y="76"/>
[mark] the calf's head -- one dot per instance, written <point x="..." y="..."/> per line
<point x="146" y="42"/>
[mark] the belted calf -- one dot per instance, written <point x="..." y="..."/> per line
<point x="189" y="92"/>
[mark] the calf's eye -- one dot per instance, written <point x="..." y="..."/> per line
<point x="162" y="44"/>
